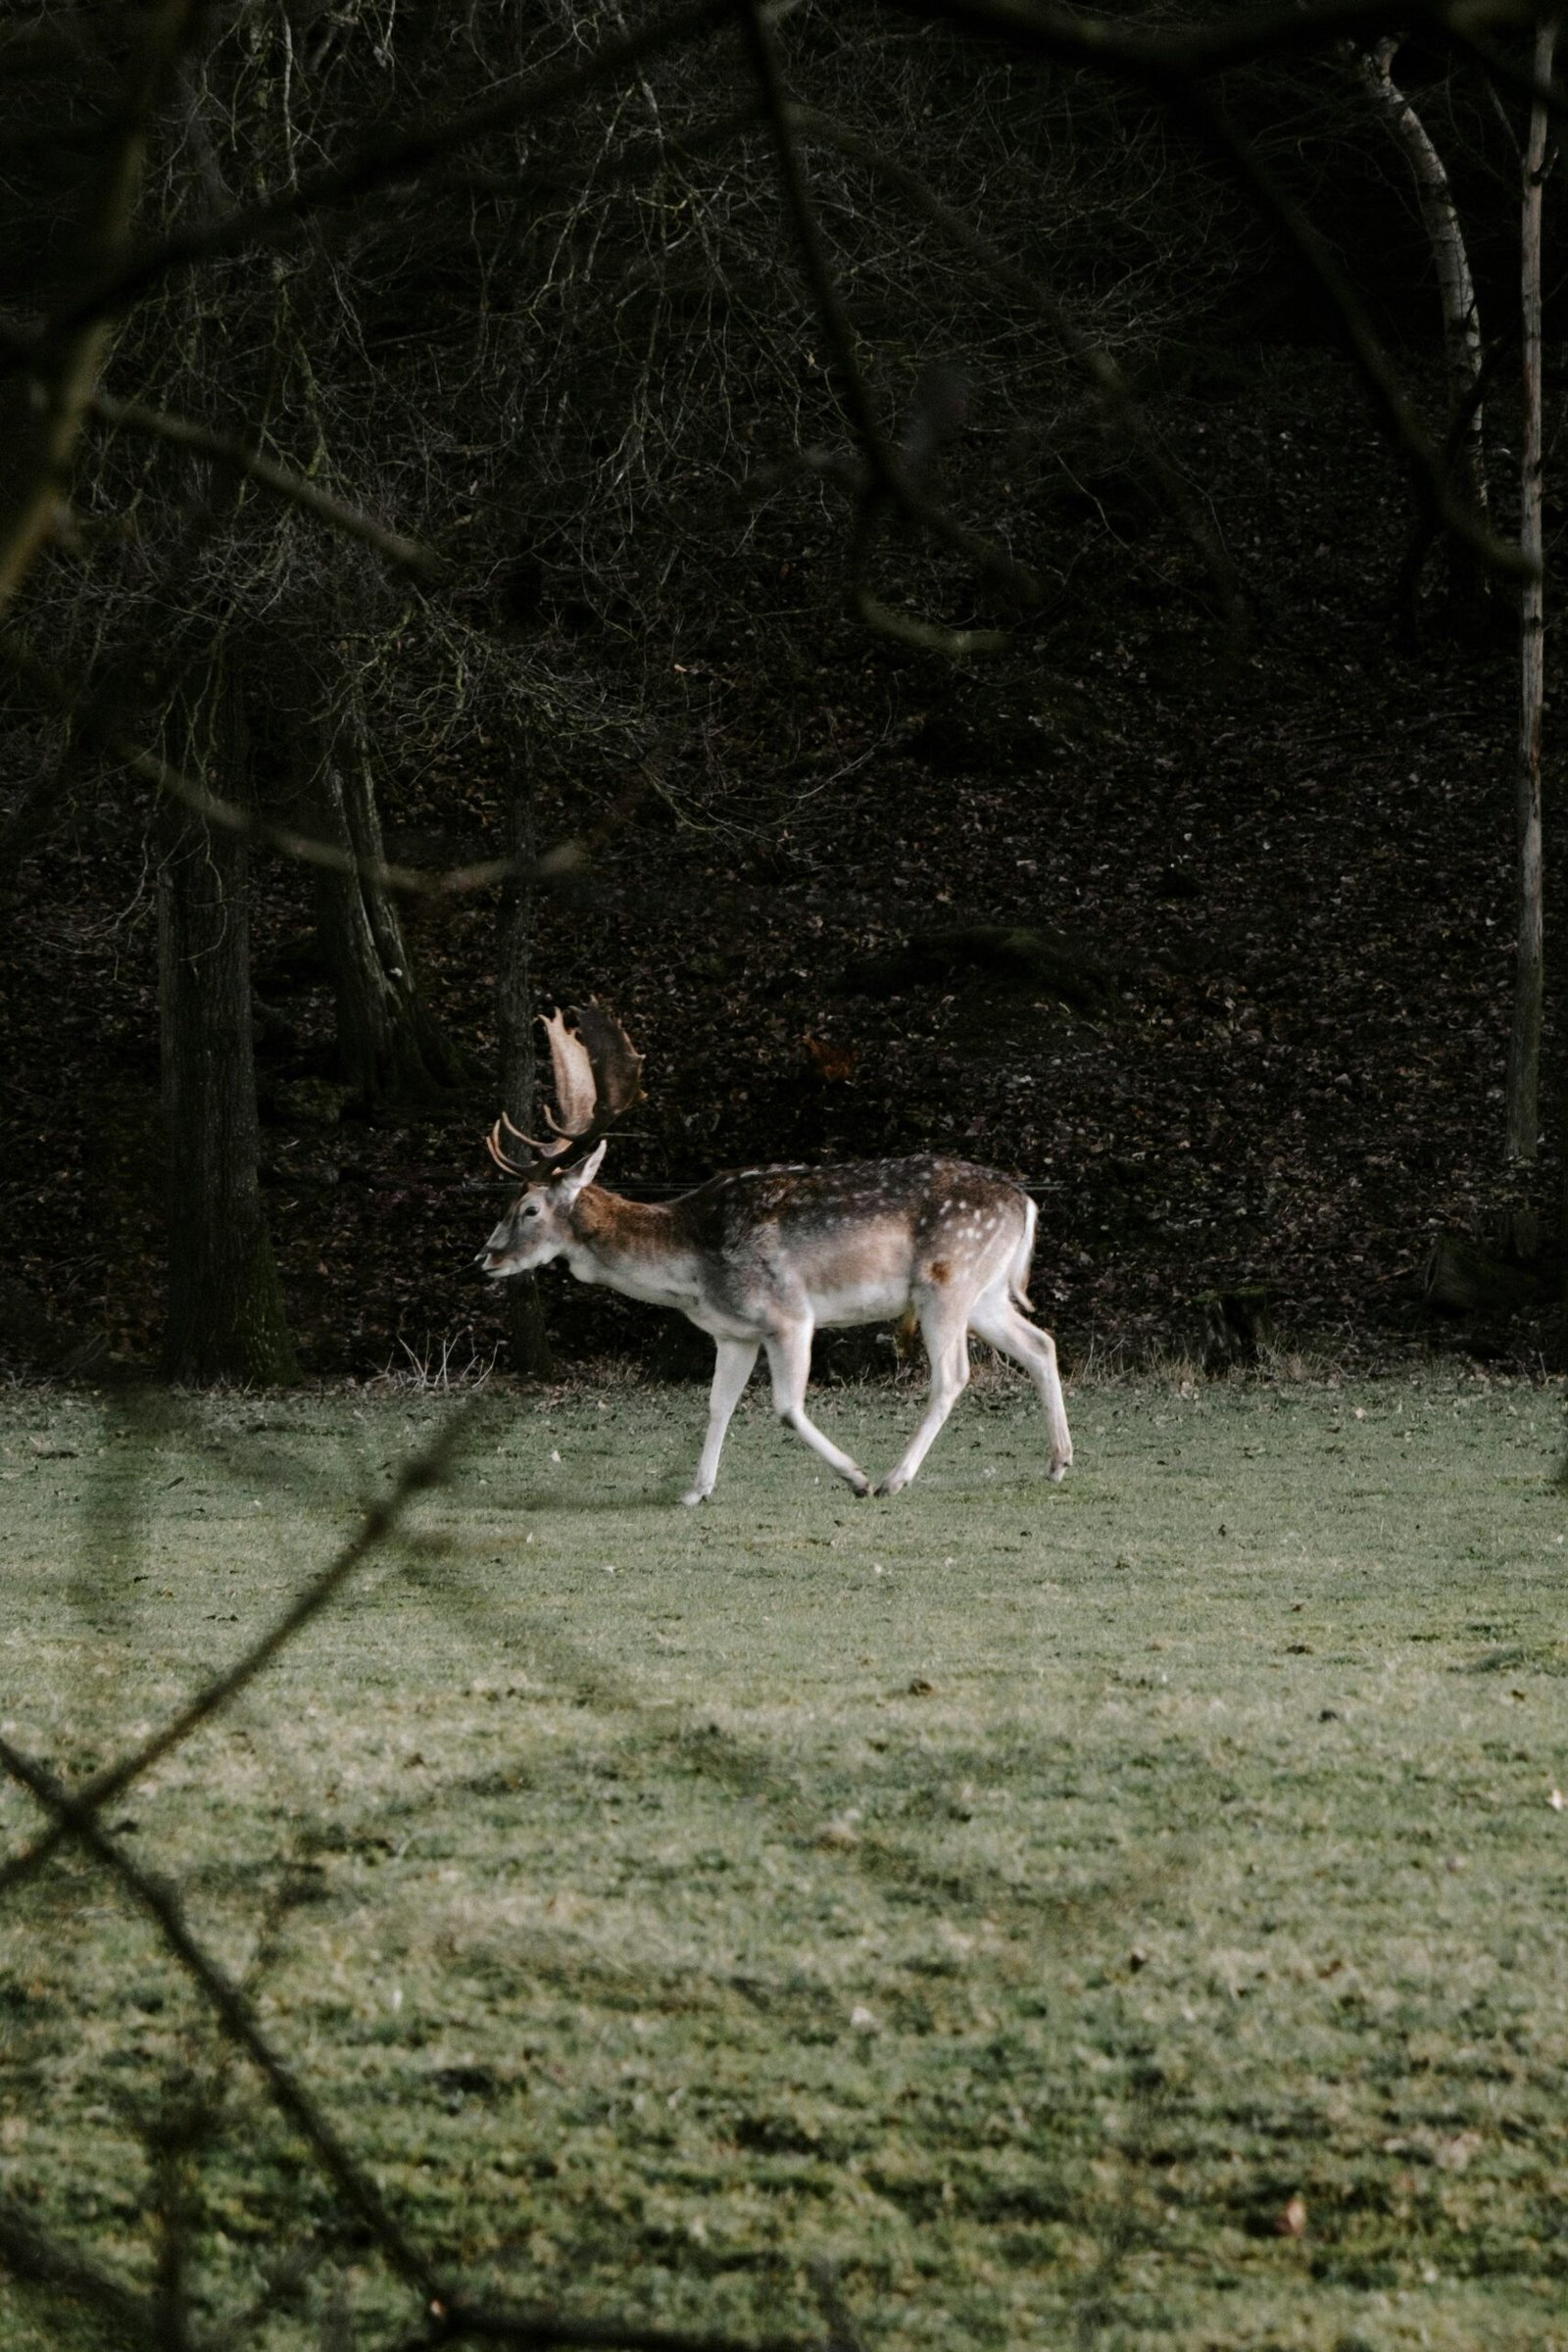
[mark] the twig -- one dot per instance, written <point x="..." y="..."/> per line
<point x="1097" y="364"/>
<point x="1470" y="37"/>
<point x="820" y="283"/>
<point x="566" y="858"/>
<point x="1243" y="37"/>
<point x="94" y="700"/>
<point x="379" y="162"/>
<point x="1377" y="372"/>
<point x="888" y="483"/>
<point x="1171" y="67"/>
<point x="182" y="432"/>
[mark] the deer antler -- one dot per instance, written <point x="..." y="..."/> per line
<point x="492" y="1144"/>
<point x="614" y="1065"/>
<point x="598" y="1077"/>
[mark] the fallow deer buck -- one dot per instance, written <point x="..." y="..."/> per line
<point x="760" y="1257"/>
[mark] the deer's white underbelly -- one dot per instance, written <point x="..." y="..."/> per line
<point x="880" y="1301"/>
<point x="875" y="1300"/>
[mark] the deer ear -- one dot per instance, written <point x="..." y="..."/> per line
<point x="576" y="1180"/>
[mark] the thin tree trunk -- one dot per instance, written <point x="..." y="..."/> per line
<point x="1461" y="318"/>
<point x="515" y="1031"/>
<point x="225" y="1319"/>
<point x="1523" y="1051"/>
<point x="390" y="1045"/>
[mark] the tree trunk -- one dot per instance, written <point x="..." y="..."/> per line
<point x="390" y="1045"/>
<point x="1523" y="1051"/>
<point x="514" y="1025"/>
<point x="1468" y="578"/>
<point x="227" y="1319"/>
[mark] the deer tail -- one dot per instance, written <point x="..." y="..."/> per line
<point x="1023" y="1258"/>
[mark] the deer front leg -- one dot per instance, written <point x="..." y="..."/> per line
<point x="731" y="1371"/>
<point x="788" y="1359"/>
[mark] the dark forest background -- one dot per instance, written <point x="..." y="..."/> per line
<point x="926" y="568"/>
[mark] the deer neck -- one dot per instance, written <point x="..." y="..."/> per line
<point x="631" y="1247"/>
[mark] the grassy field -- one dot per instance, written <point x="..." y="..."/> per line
<point x="1132" y="1913"/>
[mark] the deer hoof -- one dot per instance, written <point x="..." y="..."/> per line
<point x="693" y="1497"/>
<point x="892" y="1484"/>
<point x="1059" y="1471"/>
<point x="857" y="1483"/>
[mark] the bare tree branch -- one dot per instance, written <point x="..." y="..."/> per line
<point x="1245" y="37"/>
<point x="566" y="858"/>
<point x="831" y="314"/>
<point x="1404" y="427"/>
<point x="182" y="432"/>
<point x="41" y="410"/>
<point x="1097" y="364"/>
<point x="888" y="483"/>
<point x="1170" y="67"/>
<point x="383" y="161"/>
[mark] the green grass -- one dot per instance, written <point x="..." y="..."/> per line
<point x="1015" y="1895"/>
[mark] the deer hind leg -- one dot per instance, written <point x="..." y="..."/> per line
<point x="731" y="1371"/>
<point x="788" y="1359"/>
<point x="995" y="1318"/>
<point x="947" y="1345"/>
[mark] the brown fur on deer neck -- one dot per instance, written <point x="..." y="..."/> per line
<point x="605" y="1221"/>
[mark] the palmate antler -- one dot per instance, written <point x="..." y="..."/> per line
<point x="598" y="1078"/>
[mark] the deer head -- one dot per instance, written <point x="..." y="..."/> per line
<point x="598" y="1079"/>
